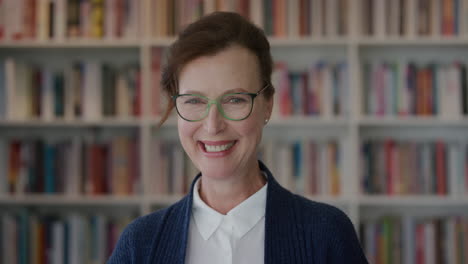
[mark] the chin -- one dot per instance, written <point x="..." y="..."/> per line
<point x="218" y="169"/>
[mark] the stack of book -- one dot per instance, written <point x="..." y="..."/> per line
<point x="305" y="167"/>
<point x="405" y="88"/>
<point x="84" y="90"/>
<point x="409" y="239"/>
<point x="321" y="90"/>
<point x="71" y="167"/>
<point x="29" y="237"/>
<point x="173" y="170"/>
<point x="58" y="20"/>
<point x="279" y="18"/>
<point x="408" y="18"/>
<point x="403" y="167"/>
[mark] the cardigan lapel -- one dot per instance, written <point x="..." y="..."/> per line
<point x="282" y="229"/>
<point x="171" y="245"/>
<point x="284" y="240"/>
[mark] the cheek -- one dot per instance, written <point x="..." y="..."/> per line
<point x="252" y="128"/>
<point x="186" y="131"/>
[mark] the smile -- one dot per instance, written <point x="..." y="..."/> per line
<point x="211" y="147"/>
<point x="218" y="148"/>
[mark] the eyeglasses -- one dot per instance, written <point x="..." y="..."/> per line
<point x="233" y="106"/>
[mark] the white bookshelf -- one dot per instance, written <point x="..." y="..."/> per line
<point x="412" y="200"/>
<point x="78" y="43"/>
<point x="71" y="200"/>
<point x="348" y="48"/>
<point x="298" y="53"/>
<point x="99" y="123"/>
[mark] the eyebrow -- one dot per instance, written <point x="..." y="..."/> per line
<point x="235" y="90"/>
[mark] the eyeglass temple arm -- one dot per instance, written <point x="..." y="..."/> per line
<point x="261" y="90"/>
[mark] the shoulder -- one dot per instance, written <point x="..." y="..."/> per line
<point x="138" y="239"/>
<point x="152" y="222"/>
<point x="321" y="213"/>
<point x="142" y="224"/>
<point x="333" y="229"/>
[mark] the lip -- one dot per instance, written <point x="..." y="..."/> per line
<point x="216" y="143"/>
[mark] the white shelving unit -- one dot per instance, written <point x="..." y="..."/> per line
<point x="298" y="53"/>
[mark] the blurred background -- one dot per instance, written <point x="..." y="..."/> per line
<point x="370" y="115"/>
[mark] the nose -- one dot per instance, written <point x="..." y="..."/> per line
<point x="214" y="122"/>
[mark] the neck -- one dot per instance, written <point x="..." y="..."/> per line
<point x="223" y="195"/>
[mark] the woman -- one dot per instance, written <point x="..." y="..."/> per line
<point x="218" y="77"/>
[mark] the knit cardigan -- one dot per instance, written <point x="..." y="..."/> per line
<point x="297" y="230"/>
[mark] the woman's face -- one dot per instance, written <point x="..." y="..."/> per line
<point x="219" y="147"/>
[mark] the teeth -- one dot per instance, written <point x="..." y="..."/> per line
<point x="218" y="148"/>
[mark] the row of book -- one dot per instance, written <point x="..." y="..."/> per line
<point x="73" y="238"/>
<point x="110" y="19"/>
<point x="172" y="170"/>
<point x="420" y="240"/>
<point x="306" y="167"/>
<point x="321" y="90"/>
<point x="400" y="167"/>
<point x="409" y="18"/>
<point x="82" y="90"/>
<point x="72" y="167"/>
<point x="299" y="18"/>
<point x="406" y="88"/>
<point x="59" y="19"/>
<point x="279" y="18"/>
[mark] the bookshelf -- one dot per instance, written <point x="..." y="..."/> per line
<point x="308" y="51"/>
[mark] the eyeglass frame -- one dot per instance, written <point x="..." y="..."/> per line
<point x="218" y="106"/>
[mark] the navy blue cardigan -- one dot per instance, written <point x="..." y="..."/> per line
<point x="297" y="230"/>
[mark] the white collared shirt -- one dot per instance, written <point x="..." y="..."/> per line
<point x="237" y="237"/>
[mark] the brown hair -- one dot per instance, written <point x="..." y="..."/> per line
<point x="208" y="36"/>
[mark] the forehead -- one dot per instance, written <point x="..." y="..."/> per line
<point x="233" y="68"/>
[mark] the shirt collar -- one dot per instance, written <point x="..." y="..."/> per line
<point x="243" y="217"/>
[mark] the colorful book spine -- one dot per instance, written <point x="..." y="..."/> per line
<point x="409" y="239"/>
<point x="306" y="167"/>
<point x="318" y="91"/>
<point x="29" y="237"/>
<point x="402" y="89"/>
<point x="84" y="90"/>
<point x="71" y="167"/>
<point x="401" y="167"/>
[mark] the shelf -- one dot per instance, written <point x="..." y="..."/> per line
<point x="308" y="41"/>
<point x="303" y="121"/>
<point x="71" y="123"/>
<point x="412" y="122"/>
<point x="59" y="199"/>
<point x="165" y="200"/>
<point x="338" y="201"/>
<point x="416" y="41"/>
<point x="411" y="200"/>
<point x="160" y="41"/>
<point x="274" y="41"/>
<point x="79" y="43"/>
<point x="294" y="121"/>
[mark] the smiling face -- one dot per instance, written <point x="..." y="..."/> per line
<point x="221" y="148"/>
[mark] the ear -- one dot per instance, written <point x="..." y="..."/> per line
<point x="268" y="107"/>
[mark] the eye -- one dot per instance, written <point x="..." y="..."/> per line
<point x="235" y="100"/>
<point x="194" y="101"/>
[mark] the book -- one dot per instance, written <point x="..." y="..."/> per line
<point x="38" y="166"/>
<point x="414" y="239"/>
<point x="31" y="237"/>
<point x="389" y="167"/>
